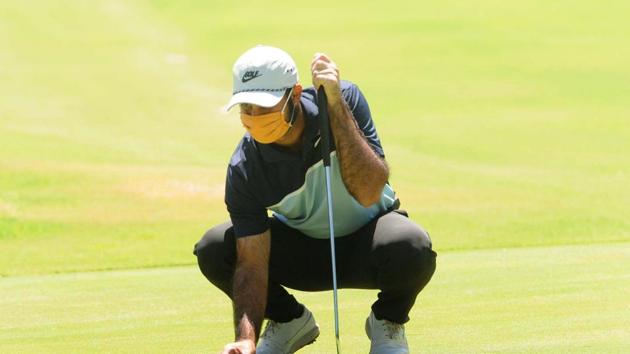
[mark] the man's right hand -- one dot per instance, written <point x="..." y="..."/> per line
<point x="245" y="346"/>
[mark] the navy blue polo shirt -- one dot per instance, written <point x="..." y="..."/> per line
<point x="262" y="177"/>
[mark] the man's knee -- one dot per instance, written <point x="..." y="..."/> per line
<point x="216" y="252"/>
<point x="420" y="261"/>
<point x="409" y="254"/>
<point x="414" y="257"/>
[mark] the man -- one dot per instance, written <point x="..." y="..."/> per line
<point x="277" y="166"/>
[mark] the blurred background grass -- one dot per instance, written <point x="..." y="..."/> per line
<point x="505" y="125"/>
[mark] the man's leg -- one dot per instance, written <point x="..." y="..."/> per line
<point x="392" y="254"/>
<point x="216" y="256"/>
<point x="407" y="260"/>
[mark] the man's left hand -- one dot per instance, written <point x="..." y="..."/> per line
<point x="326" y="73"/>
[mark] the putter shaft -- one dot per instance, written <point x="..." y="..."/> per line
<point x="322" y="104"/>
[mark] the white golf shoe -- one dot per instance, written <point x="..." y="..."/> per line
<point x="387" y="337"/>
<point x="288" y="337"/>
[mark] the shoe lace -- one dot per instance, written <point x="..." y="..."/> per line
<point x="270" y="329"/>
<point x="394" y="330"/>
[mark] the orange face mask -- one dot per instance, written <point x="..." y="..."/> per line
<point x="267" y="128"/>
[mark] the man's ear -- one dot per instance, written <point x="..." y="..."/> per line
<point x="297" y="93"/>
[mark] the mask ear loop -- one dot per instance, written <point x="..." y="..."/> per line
<point x="292" y="115"/>
<point x="292" y="120"/>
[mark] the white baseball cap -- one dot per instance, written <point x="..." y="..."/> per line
<point x="261" y="76"/>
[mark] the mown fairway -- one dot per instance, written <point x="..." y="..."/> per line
<point x="505" y="126"/>
<point x="555" y="299"/>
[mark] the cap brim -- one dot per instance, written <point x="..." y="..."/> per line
<point x="259" y="98"/>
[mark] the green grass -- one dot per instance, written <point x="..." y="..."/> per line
<point x="543" y="300"/>
<point x="504" y="124"/>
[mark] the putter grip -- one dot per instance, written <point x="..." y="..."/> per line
<point x="324" y="125"/>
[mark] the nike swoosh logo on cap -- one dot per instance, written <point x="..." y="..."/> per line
<point x="250" y="75"/>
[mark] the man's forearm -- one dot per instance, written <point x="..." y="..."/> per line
<point x="250" y="298"/>
<point x="364" y="172"/>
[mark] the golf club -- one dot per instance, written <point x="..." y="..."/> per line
<point x="324" y="125"/>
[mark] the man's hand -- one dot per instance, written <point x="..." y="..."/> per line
<point x="326" y="73"/>
<point x="245" y="346"/>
